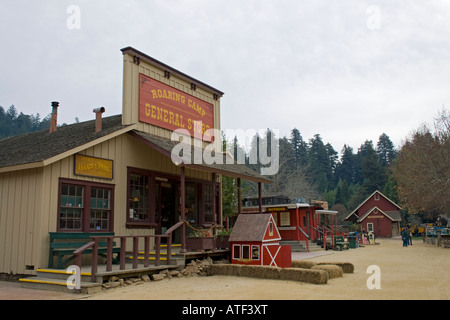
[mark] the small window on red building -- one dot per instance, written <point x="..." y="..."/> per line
<point x="255" y="252"/>
<point x="270" y="228"/>
<point x="246" y="252"/>
<point x="236" y="251"/>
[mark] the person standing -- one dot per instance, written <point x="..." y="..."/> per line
<point x="404" y="237"/>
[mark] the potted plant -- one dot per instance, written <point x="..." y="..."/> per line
<point x="222" y="238"/>
<point x="200" y="241"/>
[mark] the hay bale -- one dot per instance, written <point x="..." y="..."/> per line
<point x="267" y="272"/>
<point x="333" y="271"/>
<point x="303" y="264"/>
<point x="304" y="275"/>
<point x="347" y="267"/>
<point x="260" y="272"/>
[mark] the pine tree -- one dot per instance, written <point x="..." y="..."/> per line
<point x="385" y="150"/>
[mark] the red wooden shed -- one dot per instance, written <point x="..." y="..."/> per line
<point x="255" y="241"/>
<point x="377" y="214"/>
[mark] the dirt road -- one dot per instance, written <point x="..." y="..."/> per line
<point x="420" y="271"/>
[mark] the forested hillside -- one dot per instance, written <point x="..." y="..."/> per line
<point x="313" y="170"/>
<point x="13" y="123"/>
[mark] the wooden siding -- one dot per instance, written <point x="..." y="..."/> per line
<point x="29" y="199"/>
<point x="20" y="205"/>
<point x="29" y="195"/>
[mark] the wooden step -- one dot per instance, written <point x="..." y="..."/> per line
<point x="60" y="285"/>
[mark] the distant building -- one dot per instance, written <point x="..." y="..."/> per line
<point x="377" y="214"/>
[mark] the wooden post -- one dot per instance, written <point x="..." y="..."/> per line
<point x="109" y="254"/>
<point x="332" y="232"/>
<point x="239" y="195"/>
<point x="260" y="197"/>
<point x="135" y="252"/>
<point x="123" y="242"/>
<point x="147" y="252"/>
<point x="158" y="252"/>
<point x="94" y="268"/>
<point x="183" y="210"/>
<point x="215" y="195"/>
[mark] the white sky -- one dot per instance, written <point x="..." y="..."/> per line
<point x="348" y="70"/>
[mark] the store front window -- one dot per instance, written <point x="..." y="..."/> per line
<point x="85" y="206"/>
<point x="154" y="200"/>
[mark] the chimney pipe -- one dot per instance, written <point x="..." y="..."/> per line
<point x="54" y="120"/>
<point x="98" y="118"/>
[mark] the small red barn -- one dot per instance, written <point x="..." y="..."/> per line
<point x="377" y="214"/>
<point x="255" y="241"/>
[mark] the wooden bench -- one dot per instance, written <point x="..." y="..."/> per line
<point x="65" y="243"/>
<point x="340" y="244"/>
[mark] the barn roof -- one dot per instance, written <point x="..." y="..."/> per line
<point x="250" y="227"/>
<point x="392" y="215"/>
<point x="354" y="211"/>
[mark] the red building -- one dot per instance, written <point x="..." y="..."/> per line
<point x="255" y="241"/>
<point x="301" y="222"/>
<point x="377" y="214"/>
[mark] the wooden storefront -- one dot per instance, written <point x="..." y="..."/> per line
<point x="114" y="174"/>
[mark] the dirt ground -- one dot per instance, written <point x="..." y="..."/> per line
<point x="417" y="272"/>
<point x="420" y="271"/>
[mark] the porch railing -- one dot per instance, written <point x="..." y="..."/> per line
<point x="307" y="238"/>
<point x="122" y="254"/>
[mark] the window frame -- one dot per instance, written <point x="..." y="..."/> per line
<point x="236" y="251"/>
<point x="86" y="209"/>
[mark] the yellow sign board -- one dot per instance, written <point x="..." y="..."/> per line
<point x="285" y="219"/>
<point x="93" y="167"/>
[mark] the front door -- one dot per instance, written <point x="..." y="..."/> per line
<point x="166" y="209"/>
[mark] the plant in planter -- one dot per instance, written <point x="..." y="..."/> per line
<point x="200" y="240"/>
<point x="222" y="238"/>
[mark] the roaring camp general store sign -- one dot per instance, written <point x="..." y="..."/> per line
<point x="166" y="107"/>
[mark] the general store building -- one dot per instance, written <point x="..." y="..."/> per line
<point x="115" y="174"/>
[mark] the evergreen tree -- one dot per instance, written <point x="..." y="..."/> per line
<point x="345" y="169"/>
<point x="300" y="148"/>
<point x="385" y="150"/>
<point x="374" y="177"/>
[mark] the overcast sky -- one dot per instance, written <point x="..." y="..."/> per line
<point x="348" y="70"/>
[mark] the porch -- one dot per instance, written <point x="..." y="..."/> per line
<point x="128" y="265"/>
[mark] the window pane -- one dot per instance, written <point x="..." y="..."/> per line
<point x="255" y="252"/>
<point x="245" y="252"/>
<point x="208" y="203"/>
<point x="138" y="202"/>
<point x="71" y="207"/>
<point x="236" y="251"/>
<point x="100" y="209"/>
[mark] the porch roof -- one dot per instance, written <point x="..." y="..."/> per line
<point x="165" y="147"/>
